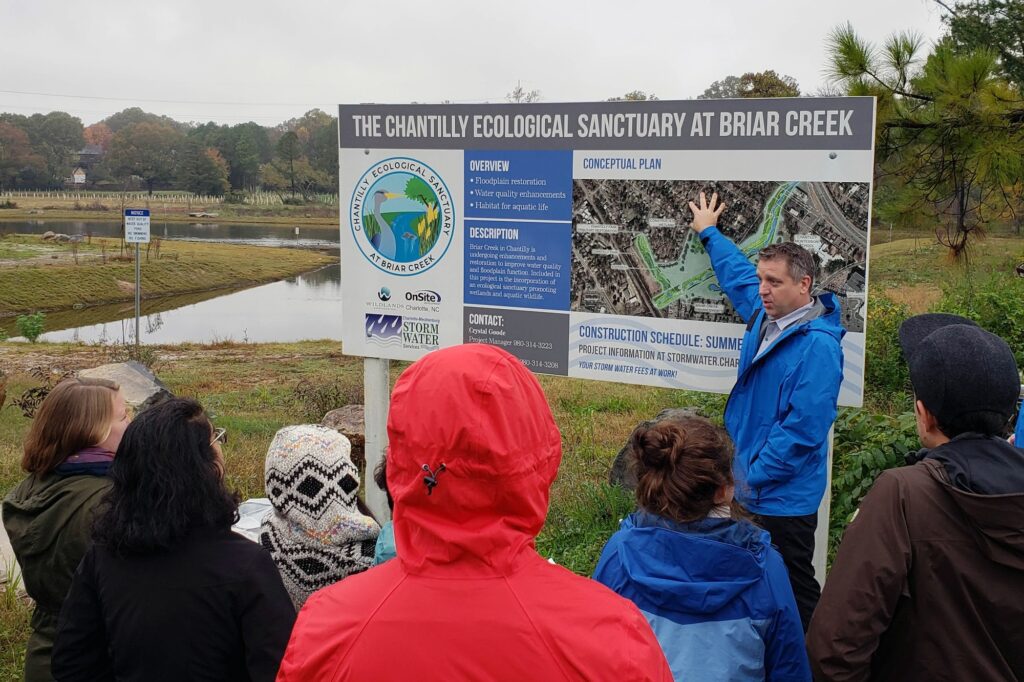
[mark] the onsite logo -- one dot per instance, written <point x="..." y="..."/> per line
<point x="402" y="216"/>
<point x="423" y="296"/>
<point x="384" y="294"/>
<point x="384" y="330"/>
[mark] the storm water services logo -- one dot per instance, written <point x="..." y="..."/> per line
<point x="414" y="333"/>
<point x="420" y="333"/>
<point x="402" y="216"/>
<point x="384" y="330"/>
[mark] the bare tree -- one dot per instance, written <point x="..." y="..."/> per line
<point x="520" y="95"/>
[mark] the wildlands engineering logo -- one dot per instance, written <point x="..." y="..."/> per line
<point x="402" y="216"/>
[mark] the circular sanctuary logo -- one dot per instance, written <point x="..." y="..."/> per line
<point x="402" y="216"/>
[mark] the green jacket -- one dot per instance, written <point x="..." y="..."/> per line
<point x="49" y="521"/>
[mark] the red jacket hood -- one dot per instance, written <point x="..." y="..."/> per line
<point x="479" y="412"/>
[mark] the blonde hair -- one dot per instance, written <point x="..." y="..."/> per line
<point x="77" y="413"/>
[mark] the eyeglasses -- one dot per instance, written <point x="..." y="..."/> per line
<point x="220" y="436"/>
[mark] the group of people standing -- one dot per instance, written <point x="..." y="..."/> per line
<point x="137" y="575"/>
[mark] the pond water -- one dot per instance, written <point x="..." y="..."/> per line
<point x="304" y="307"/>
<point x="305" y="236"/>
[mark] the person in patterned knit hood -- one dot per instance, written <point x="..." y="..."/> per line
<point x="318" y="531"/>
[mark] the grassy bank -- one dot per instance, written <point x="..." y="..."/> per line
<point x="38" y="275"/>
<point x="913" y="271"/>
<point x="102" y="206"/>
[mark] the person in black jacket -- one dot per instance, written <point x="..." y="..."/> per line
<point x="168" y="591"/>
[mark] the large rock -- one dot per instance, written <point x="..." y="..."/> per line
<point x="349" y="422"/>
<point x="140" y="387"/>
<point x="623" y="472"/>
<point x="49" y="235"/>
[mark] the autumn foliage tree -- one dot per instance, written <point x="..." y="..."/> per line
<point x="204" y="171"/>
<point x="767" y="84"/>
<point x="753" y="84"/>
<point x="98" y="134"/>
<point x="16" y="155"/>
<point x="148" y="150"/>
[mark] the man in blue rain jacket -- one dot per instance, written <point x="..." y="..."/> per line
<point x="783" y="404"/>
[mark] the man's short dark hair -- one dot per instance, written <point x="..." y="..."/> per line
<point x="985" y="423"/>
<point x="799" y="260"/>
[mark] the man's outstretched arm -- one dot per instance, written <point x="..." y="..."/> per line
<point x="735" y="272"/>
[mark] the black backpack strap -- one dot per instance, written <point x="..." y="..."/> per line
<point x="752" y="321"/>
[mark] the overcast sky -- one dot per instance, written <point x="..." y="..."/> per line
<point x="228" y="61"/>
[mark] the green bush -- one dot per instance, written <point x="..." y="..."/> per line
<point x="235" y="197"/>
<point x="886" y="377"/>
<point x="8" y="204"/>
<point x="995" y="302"/>
<point x="31" y="326"/>
<point x="865" y="445"/>
<point x="293" y="201"/>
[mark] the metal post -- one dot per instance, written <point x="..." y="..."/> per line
<point x="820" y="559"/>
<point x="377" y="397"/>
<point x="138" y="298"/>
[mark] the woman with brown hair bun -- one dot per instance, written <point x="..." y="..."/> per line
<point x="714" y="590"/>
<point x="48" y="516"/>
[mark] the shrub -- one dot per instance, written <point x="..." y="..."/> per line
<point x="317" y="399"/>
<point x="995" y="302"/>
<point x="31" y="326"/>
<point x="235" y="197"/>
<point x="126" y="352"/>
<point x="32" y="397"/>
<point x="293" y="201"/>
<point x="886" y="377"/>
<point x="865" y="445"/>
<point x="8" y="204"/>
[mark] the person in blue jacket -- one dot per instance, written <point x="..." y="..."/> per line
<point x="783" y="404"/>
<point x="710" y="584"/>
<point x="1018" y="436"/>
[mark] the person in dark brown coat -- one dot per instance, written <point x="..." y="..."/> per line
<point x="928" y="583"/>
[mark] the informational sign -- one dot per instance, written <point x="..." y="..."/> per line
<point x="136" y="225"/>
<point x="560" y="232"/>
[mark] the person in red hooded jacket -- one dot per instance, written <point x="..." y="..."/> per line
<point x="473" y="452"/>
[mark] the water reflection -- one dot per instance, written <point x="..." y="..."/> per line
<point x="308" y="236"/>
<point x="304" y="307"/>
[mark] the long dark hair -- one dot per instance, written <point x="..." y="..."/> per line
<point x="167" y="481"/>
<point x="681" y="464"/>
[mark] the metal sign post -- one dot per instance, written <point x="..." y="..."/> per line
<point x="377" y="397"/>
<point x="138" y="297"/>
<point x="820" y="560"/>
<point x="136" y="231"/>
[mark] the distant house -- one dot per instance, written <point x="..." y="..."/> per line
<point x="89" y="155"/>
<point x="78" y="176"/>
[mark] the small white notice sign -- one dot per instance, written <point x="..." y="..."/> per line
<point x="136" y="225"/>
